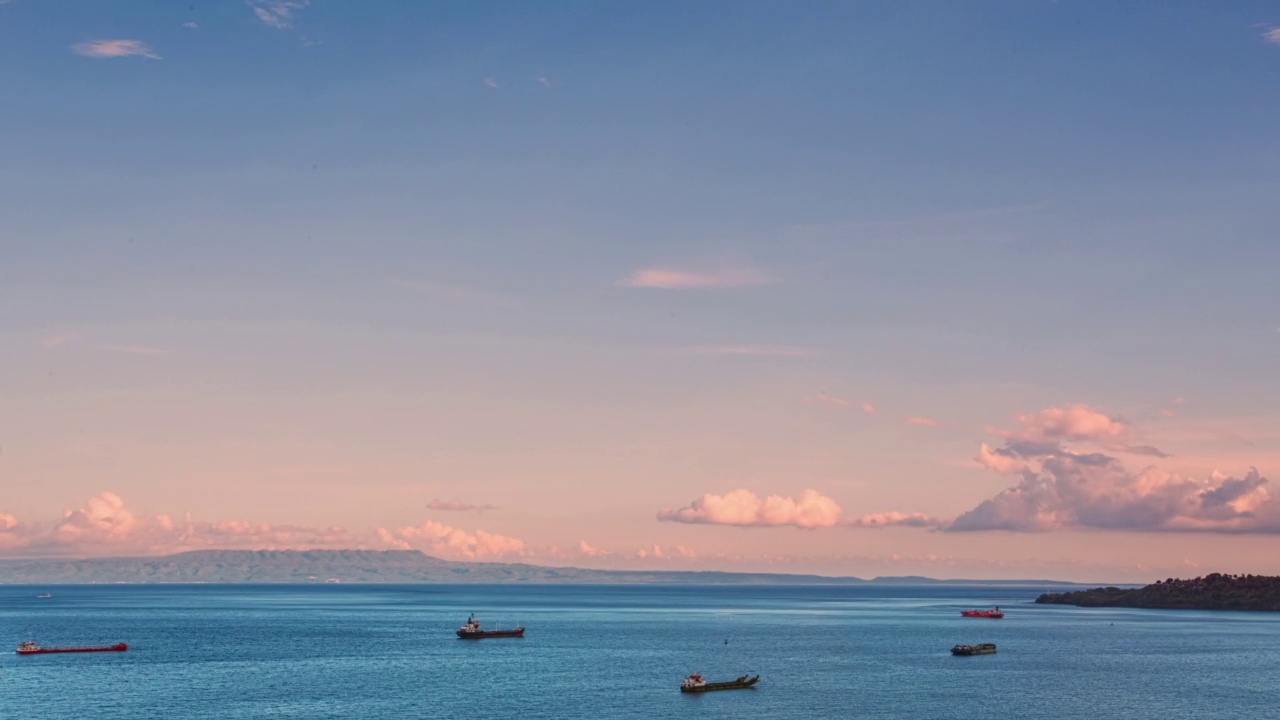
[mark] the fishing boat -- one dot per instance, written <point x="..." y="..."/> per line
<point x="471" y="630"/>
<point x="983" y="649"/>
<point x="694" y="684"/>
<point x="993" y="613"/>
<point x="30" y="648"/>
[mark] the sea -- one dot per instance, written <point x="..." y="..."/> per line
<point x="620" y="651"/>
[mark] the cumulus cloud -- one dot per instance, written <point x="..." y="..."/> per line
<point x="1061" y="487"/>
<point x="12" y="533"/>
<point x="670" y="279"/>
<point x="743" y="507"/>
<point x="457" y="506"/>
<point x="278" y="14"/>
<point x="447" y="542"/>
<point x="1272" y="35"/>
<point x="106" y="526"/>
<point x="114" y="49"/>
<point x="1077" y="423"/>
<point x="585" y="549"/>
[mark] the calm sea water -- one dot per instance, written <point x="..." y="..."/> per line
<point x="620" y="652"/>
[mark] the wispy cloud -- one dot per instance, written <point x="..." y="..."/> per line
<point x="135" y="349"/>
<point x="1272" y="35"/>
<point x="543" y="81"/>
<point x="278" y="14"/>
<point x="453" y="293"/>
<point x="114" y="49"/>
<point x="670" y="279"/>
<point x="895" y="519"/>
<point x="490" y="83"/>
<point x="832" y="400"/>
<point x="755" y="350"/>
<point x="458" y="506"/>
<point x="53" y="341"/>
<point x="922" y="421"/>
<point x="190" y="26"/>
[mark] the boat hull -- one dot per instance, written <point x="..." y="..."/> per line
<point x="965" y="650"/>
<point x="482" y="634"/>
<point x="712" y="687"/>
<point x="118" y="647"/>
<point x="982" y="614"/>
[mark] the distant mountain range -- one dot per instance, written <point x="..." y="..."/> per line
<point x="381" y="566"/>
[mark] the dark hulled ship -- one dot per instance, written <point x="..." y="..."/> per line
<point x="471" y="630"/>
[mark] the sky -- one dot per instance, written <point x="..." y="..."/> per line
<point x="878" y="288"/>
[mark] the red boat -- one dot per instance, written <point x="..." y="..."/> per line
<point x="30" y="648"/>
<point x="993" y="613"/>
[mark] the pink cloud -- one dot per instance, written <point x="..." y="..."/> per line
<point x="54" y="341"/>
<point x="135" y="349"/>
<point x="667" y="279"/>
<point x="12" y="533"/>
<point x="895" y="519"/>
<point x="1272" y="35"/>
<point x="754" y="350"/>
<point x="105" y="526"/>
<point x="452" y="543"/>
<point x="923" y="421"/>
<point x="743" y="507"/>
<point x="1076" y="423"/>
<point x="1004" y="462"/>
<point x="114" y="49"/>
<point x="1062" y="488"/>
<point x="457" y="506"/>
<point x="585" y="549"/>
<point x="832" y="400"/>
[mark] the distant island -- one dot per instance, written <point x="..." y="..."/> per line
<point x="1211" y="592"/>
<point x="384" y="566"/>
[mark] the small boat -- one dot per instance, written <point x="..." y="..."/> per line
<point x="993" y="613"/>
<point x="472" y="631"/>
<point x="695" y="683"/>
<point x="43" y="596"/>
<point x="30" y="648"/>
<point x="983" y="649"/>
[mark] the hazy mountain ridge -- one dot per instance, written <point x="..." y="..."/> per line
<point x="372" y="566"/>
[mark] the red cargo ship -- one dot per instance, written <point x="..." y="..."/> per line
<point x="30" y="648"/>
<point x="992" y="613"/>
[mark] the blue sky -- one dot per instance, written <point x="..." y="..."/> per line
<point x="409" y="213"/>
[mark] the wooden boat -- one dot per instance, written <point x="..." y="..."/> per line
<point x="471" y="630"/>
<point x="983" y="649"/>
<point x="695" y="684"/>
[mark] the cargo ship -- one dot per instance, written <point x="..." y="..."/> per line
<point x="695" y="683"/>
<point x="993" y="613"/>
<point x="983" y="649"/>
<point x="472" y="631"/>
<point x="30" y="648"/>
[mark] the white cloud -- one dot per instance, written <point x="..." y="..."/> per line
<point x="452" y="543"/>
<point x="279" y="14"/>
<point x="490" y="83"/>
<point x="1272" y="35"/>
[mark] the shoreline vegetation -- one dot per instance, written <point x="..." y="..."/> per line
<point x="1211" y="592"/>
